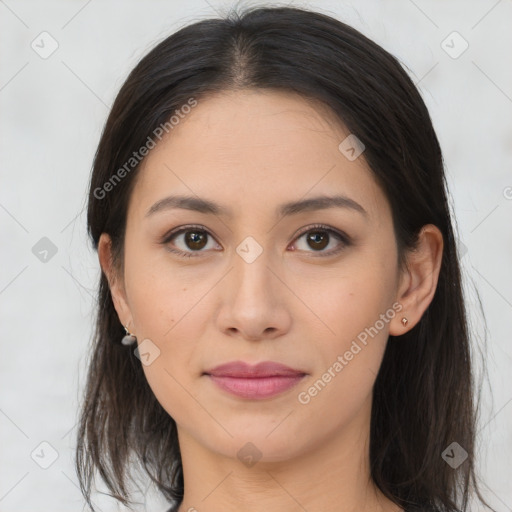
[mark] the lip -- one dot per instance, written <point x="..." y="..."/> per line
<point x="259" y="381"/>
<point x="240" y="369"/>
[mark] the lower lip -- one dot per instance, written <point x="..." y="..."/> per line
<point x="256" y="388"/>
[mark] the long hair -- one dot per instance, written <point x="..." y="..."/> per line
<point x="423" y="397"/>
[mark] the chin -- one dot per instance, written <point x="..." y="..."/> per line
<point x="256" y="444"/>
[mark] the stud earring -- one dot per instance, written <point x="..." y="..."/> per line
<point x="129" y="338"/>
<point x="404" y="321"/>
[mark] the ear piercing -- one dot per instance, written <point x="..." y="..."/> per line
<point x="404" y="321"/>
<point x="129" y="338"/>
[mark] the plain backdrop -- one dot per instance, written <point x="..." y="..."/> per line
<point x="52" y="110"/>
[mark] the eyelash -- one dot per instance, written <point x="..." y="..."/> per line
<point x="342" y="237"/>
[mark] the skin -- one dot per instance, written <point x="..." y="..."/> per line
<point x="251" y="151"/>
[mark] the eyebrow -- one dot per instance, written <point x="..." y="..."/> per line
<point x="291" y="208"/>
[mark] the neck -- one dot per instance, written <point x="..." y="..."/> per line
<point x="333" y="476"/>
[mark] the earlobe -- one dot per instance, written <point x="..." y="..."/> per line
<point x="419" y="282"/>
<point x="115" y="282"/>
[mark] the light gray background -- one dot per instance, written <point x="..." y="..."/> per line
<point x="51" y="115"/>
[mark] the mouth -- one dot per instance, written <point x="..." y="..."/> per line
<point x="264" y="380"/>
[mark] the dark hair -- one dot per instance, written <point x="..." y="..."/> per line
<point x="423" y="397"/>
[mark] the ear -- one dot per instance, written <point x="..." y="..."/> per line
<point x="115" y="282"/>
<point x="418" y="282"/>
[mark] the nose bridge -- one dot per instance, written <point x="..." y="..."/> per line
<point x="252" y="261"/>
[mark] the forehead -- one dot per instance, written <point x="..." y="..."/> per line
<point x="255" y="148"/>
<point x="243" y="122"/>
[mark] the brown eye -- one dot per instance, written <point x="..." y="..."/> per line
<point x="192" y="241"/>
<point x="317" y="238"/>
<point x="188" y="242"/>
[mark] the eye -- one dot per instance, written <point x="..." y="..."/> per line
<point x="194" y="238"/>
<point x="191" y="240"/>
<point x="318" y="237"/>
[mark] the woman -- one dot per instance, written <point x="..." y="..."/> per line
<point x="281" y="323"/>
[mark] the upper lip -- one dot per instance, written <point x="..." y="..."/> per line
<point x="240" y="369"/>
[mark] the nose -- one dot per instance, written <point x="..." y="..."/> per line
<point x="254" y="301"/>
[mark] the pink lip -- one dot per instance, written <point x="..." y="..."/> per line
<point x="263" y="380"/>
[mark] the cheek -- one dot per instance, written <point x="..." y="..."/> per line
<point x="348" y="361"/>
<point x="347" y="302"/>
<point x="167" y="316"/>
<point x="162" y="296"/>
<point x="167" y="309"/>
<point x="354" y="311"/>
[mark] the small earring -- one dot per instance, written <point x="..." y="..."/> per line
<point x="129" y="338"/>
<point x="404" y="321"/>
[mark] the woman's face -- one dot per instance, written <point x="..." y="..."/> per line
<point x="261" y="283"/>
